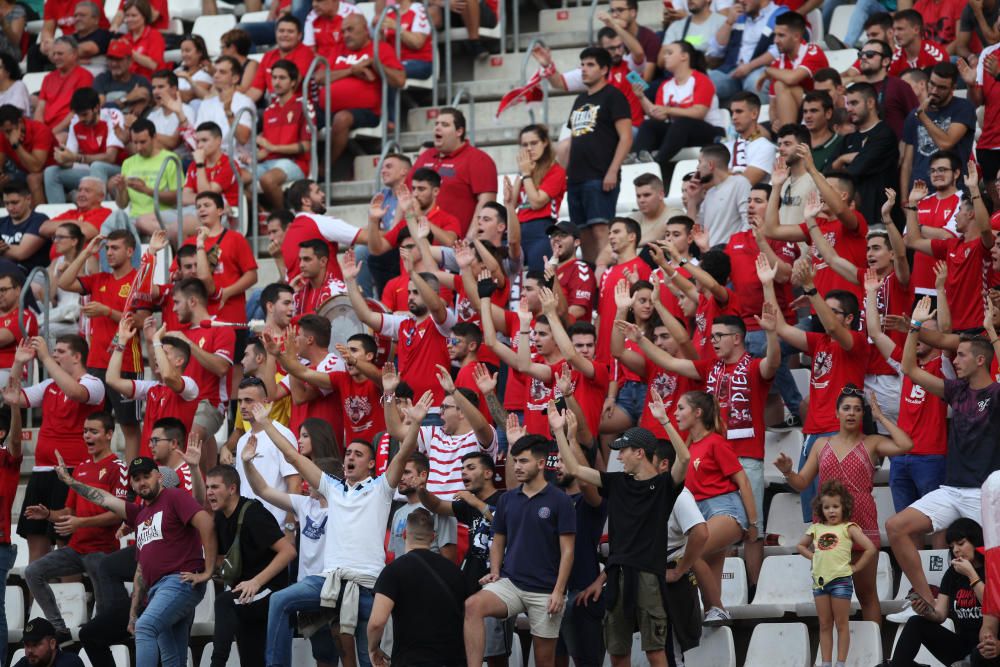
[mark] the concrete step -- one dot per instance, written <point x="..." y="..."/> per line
<point x="578" y="18"/>
<point x="563" y="39"/>
<point x="421" y="119"/>
<point x="355" y="214"/>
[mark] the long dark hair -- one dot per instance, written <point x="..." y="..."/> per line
<point x="548" y="157"/>
<point x="324" y="442"/>
<point x="696" y="58"/>
<point x="78" y="239"/>
<point x="199" y="45"/>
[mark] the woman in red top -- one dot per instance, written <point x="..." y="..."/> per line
<point x="851" y="457"/>
<point x="147" y="44"/>
<point x="540" y="189"/>
<point x="686" y="112"/>
<point x="716" y="480"/>
<point x="627" y="397"/>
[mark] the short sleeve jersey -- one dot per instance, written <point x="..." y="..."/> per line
<point x="307" y="226"/>
<point x="36" y="136"/>
<point x="413" y="20"/>
<point x="579" y="285"/>
<point x="9" y="322"/>
<point x="833" y="368"/>
<point x="990" y="138"/>
<point x="728" y="387"/>
<point x="972" y="433"/>
<point x="421" y="347"/>
<point x="809" y="57"/>
<point x="849" y="244"/>
<point x="62" y="427"/>
<point x="364" y="416"/>
<point x="301" y="55"/>
<point x="97" y="138"/>
<point x="712" y="466"/>
<point x="968" y="279"/>
<point x="109" y="474"/>
<point x="445" y="453"/>
<point x="930" y="54"/>
<point x="698" y="90"/>
<point x="554" y="185"/>
<point x="235" y="260"/>
<point x="324" y="33"/>
<point x="57" y="89"/>
<point x="922" y="415"/>
<point x="286" y="124"/>
<point x="939" y="213"/>
<point x="166" y="541"/>
<point x="113" y="292"/>
<point x="465" y="174"/>
<point x="220" y="341"/>
<point x="606" y="307"/>
<point x="222" y="173"/>
<point x="356" y="93"/>
<point x="162" y="401"/>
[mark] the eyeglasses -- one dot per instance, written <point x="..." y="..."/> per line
<point x="4" y="290"/>
<point x="842" y="313"/>
<point x="453" y="340"/>
<point x="61" y="237"/>
<point x="853" y="391"/>
<point x="871" y="54"/>
<point x="154" y="441"/>
<point x="617" y="10"/>
<point x="716" y="337"/>
<point x="448" y="406"/>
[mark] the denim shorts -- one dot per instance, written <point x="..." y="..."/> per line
<point x="728" y="504"/>
<point x="841" y="587"/>
<point x="589" y="204"/>
<point x="632" y="399"/>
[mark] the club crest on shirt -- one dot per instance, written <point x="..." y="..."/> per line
<point x="150" y="530"/>
<point x="358" y="408"/>
<point x="544" y="512"/>
<point x="124" y="290"/>
<point x="822" y="365"/>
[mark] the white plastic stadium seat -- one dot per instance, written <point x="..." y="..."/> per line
<point x="677" y="181"/>
<point x="793" y="638"/>
<point x="734" y="583"/>
<point x="866" y="644"/>
<point x="885" y="508"/>
<point x="206" y="656"/>
<point x="302" y="653"/>
<point x="802" y="377"/>
<point x="883" y="587"/>
<point x="816" y="28"/>
<point x="119" y="652"/>
<point x="21" y="560"/>
<point x="785" y="581"/>
<point x="212" y="28"/>
<point x="925" y="657"/>
<point x="716" y="649"/>
<point x="204" y="614"/>
<point x="186" y="10"/>
<point x="626" y="197"/>
<point x="842" y="59"/>
<point x="933" y="562"/>
<point x="14" y="608"/>
<point x="72" y="602"/>
<point x="839" y="21"/>
<point x="785" y="519"/>
<point x="33" y="81"/>
<point x="777" y="442"/>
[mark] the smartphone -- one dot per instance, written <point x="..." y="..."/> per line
<point x="636" y="78"/>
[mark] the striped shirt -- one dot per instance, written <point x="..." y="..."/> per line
<point x="445" y="453"/>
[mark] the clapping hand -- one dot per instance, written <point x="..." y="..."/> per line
<point x="485" y="382"/>
<point x="415" y="413"/>
<point x="922" y="311"/>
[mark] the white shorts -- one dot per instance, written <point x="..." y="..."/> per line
<point x="536" y="605"/>
<point x="949" y="503"/>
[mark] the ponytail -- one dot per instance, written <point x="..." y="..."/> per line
<point x="710" y="417"/>
<point x="697" y="60"/>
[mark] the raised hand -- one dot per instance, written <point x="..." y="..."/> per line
<point x="803" y="272"/>
<point x="192" y="454"/>
<point x="158" y="241"/>
<point x="485" y="382"/>
<point x="444" y="379"/>
<point x="24" y="352"/>
<point x="917" y="192"/>
<point x="813" y="205"/>
<point x="564" y="381"/>
<point x="61" y="471"/>
<point x="768" y="318"/>
<point x="940" y="275"/>
<point x="271" y="344"/>
<point x="509" y="194"/>
<point x="557" y="421"/>
<point x="875" y="407"/>
<point x="417" y="411"/>
<point x="514" y="429"/>
<point x="922" y="311"/>
<point x="890" y="201"/>
<point x="630" y="330"/>
<point x="779" y="173"/>
<point x="895" y="323"/>
<point x="656" y="406"/>
<point x="571" y="425"/>
<point x="989" y="313"/>
<point x="464" y="254"/>
<point x="94" y="246"/>
<point x="872" y="281"/>
<point x="623" y="300"/>
<point x="249" y="452"/>
<point x="126" y="329"/>
<point x="972" y="175"/>
<point x="548" y="300"/>
<point x="349" y="267"/>
<point x="967" y="71"/>
<point x="390" y="379"/>
<point x="783" y="463"/>
<point x="12" y="392"/>
<point x="261" y="412"/>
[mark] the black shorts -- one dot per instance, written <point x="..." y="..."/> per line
<point x="125" y="410"/>
<point x="487" y="19"/>
<point x="44" y="488"/>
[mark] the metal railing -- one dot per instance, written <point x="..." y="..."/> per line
<point x="171" y="158"/>
<point x="544" y="85"/>
<point x="252" y="222"/>
<point x="391" y="146"/>
<point x="47" y="281"/>
<point x="501" y="21"/>
<point x="381" y="72"/>
<point x="455" y="101"/>
<point x="313" y="133"/>
<point x="593" y="17"/>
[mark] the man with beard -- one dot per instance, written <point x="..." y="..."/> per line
<point x="799" y="184"/>
<point x="576" y="278"/>
<point x="896" y="97"/>
<point x="623" y="237"/>
<point x="176" y="550"/>
<point x="717" y="198"/>
<point x="414" y="478"/>
<point x="420" y="201"/>
<point x="308" y="201"/>
<point x="41" y="647"/>
<point x="315" y="284"/>
<point x="11" y="314"/>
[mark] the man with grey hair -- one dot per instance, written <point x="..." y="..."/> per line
<point x="91" y="38"/>
<point x="58" y="86"/>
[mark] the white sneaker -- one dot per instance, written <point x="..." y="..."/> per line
<point x="716" y="616"/>
<point x="902" y="616"/>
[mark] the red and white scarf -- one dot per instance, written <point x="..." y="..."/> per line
<point x="733" y="393"/>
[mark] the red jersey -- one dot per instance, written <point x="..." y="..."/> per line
<point x="10" y="475"/>
<point x="396" y="293"/>
<point x="922" y="415"/>
<point x="362" y="407"/>
<point x="437" y="216"/>
<point x="940" y="18"/>
<point x="62" y="427"/>
<point x="711" y="469"/>
<point x="162" y="401"/>
<point x="590" y="393"/>
<point x="308" y="299"/>
<point x="930" y="54"/>
<point x="537" y="397"/>
<point x="150" y="44"/>
<point x="354" y="92"/>
<point x="809" y="57"/>
<point x="9" y="322"/>
<point x="465" y="174"/>
<point x="465" y="312"/>
<point x="742" y="394"/>
<point x="618" y="78"/>
<point x="99" y="137"/>
<point x="579" y="286"/>
<point x="414" y="20"/>
<point x="95" y="216"/>
<point x="301" y="55"/>
<point x="670" y="387"/>
<point x="323" y="33"/>
<point x="109" y="474"/>
<point x="554" y="185"/>
<point x="222" y="173"/>
<point x="968" y="279"/>
<point x="113" y="292"/>
<point x="220" y="341"/>
<point x="833" y="369"/>
<point x="422" y="347"/>
<point x="514" y="393"/>
<point x="286" y="124"/>
<point x="606" y="307"/>
<point x="990" y="138"/>
<point x="466" y="379"/>
<point x="743" y="252"/>
<point x="307" y="226"/>
<point x="57" y="89"/>
<point x="940" y="213"/>
<point x="326" y="406"/>
<point x="35" y="136"/>
<point x="235" y="259"/>
<point x="708" y="309"/>
<point x="61" y="11"/>
<point x="852" y="245"/>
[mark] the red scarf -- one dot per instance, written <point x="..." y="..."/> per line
<point x="529" y="92"/>
<point x="733" y="393"/>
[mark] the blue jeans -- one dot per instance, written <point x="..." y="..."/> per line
<point x="535" y="243"/>
<point x="162" y="631"/>
<point x="913" y="476"/>
<point x="862" y="10"/>
<point x="304" y="596"/>
<point x="726" y="86"/>
<point x="60" y="180"/>
<point x="807" y="494"/>
<point x="8" y="553"/>
<point x="415" y="69"/>
<point x="255" y="311"/>
<point x="756" y="343"/>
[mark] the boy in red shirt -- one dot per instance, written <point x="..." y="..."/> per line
<point x="283" y="145"/>
<point x="463" y="348"/>
<point x="711" y="295"/>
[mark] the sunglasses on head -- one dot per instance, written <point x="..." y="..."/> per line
<point x="853" y="391"/>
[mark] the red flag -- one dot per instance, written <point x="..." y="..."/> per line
<point x="529" y="92"/>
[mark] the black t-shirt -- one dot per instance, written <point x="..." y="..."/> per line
<point x="594" y="138"/>
<point x="638" y="516"/>
<point x="589" y="528"/>
<point x="114" y="90"/>
<point x="419" y="636"/>
<point x="259" y="532"/>
<point x="965" y="610"/>
<point x="477" y="558"/>
<point x="63" y="659"/>
<point x="875" y="148"/>
<point x="12" y="234"/>
<point x="101" y="37"/>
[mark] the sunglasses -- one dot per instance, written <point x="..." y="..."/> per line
<point x="871" y="54"/>
<point x="853" y="391"/>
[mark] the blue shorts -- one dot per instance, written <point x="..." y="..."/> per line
<point x="841" y="587"/>
<point x="589" y="204"/>
<point x="293" y="171"/>
<point x="632" y="399"/>
<point x="728" y="504"/>
<point x="364" y="118"/>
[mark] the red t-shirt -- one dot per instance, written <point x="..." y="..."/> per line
<point x="9" y="322"/>
<point x="99" y="137"/>
<point x="236" y="258"/>
<point x="465" y="378"/>
<point x="933" y="211"/>
<point x="922" y="415"/>
<point x="618" y="78"/>
<point x="743" y="252"/>
<point x="930" y="54"/>
<point x="301" y="55"/>
<point x="396" y="293"/>
<point x="62" y="427"/>
<point x="722" y="381"/>
<point x="162" y="401"/>
<point x="852" y="245"/>
<point x="150" y="43"/>
<point x="892" y="298"/>
<point x="809" y="57"/>
<point x="606" y="307"/>
<point x="968" y="279"/>
<point x="35" y="136"/>
<point x="95" y="216"/>
<point x="353" y="92"/>
<point x="221" y="173"/>
<point x="514" y="397"/>
<point x="323" y="33"/>
<point x="61" y="11"/>
<point x="10" y="475"/>
<point x="162" y="22"/>
<point x="56" y="91"/>
<point x="217" y="340"/>
<point x="308" y="226"/>
<point x="465" y="312"/>
<point x="990" y="138"/>
<point x="362" y="408"/>
<point x="713" y="464"/>
<point x="940" y="18"/>
<point x="325" y="406"/>
<point x="169" y="514"/>
<point x="833" y="368"/>
<point x="109" y="474"/>
<point x="708" y="309"/>
<point x="421" y="347"/>
<point x="579" y="286"/>
<point x="286" y="124"/>
<point x="670" y="387"/>
<point x="554" y="185"/>
<point x="465" y="174"/>
<point x="537" y="397"/>
<point x="698" y="89"/>
<point x="113" y="292"/>
<point x="414" y="20"/>
<point x="590" y="392"/>
<point x="437" y="216"/>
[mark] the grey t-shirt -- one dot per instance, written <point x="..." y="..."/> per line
<point x="445" y="527"/>
<point x="724" y="209"/>
<point x="698" y="35"/>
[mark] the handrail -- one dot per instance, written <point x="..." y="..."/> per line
<point x="381" y="71"/>
<point x="313" y="133"/>
<point x="435" y="66"/>
<point x="544" y="85"/>
<point x="44" y="331"/>
<point x="517" y="25"/>
<point x="171" y="157"/>
<point x="447" y="49"/>
<point x="391" y="146"/>
<point x="252" y="222"/>
<point x="590" y="26"/>
<point x="455" y="101"/>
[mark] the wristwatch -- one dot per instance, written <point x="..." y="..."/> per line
<point x="289" y="527"/>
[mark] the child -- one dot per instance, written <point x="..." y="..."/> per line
<point x="834" y="537"/>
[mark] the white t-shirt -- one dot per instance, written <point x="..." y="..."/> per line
<point x="212" y="109"/>
<point x="17" y="95"/>
<point x="271" y="465"/>
<point x="357" y="520"/>
<point x="445" y="530"/>
<point x="445" y="453"/>
<point x="312" y="519"/>
<point x="758" y="152"/>
<point x="683" y="518"/>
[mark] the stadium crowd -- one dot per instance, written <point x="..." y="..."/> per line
<point x="562" y="417"/>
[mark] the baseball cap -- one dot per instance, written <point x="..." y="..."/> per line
<point x="637" y="437"/>
<point x="119" y="49"/>
<point x="170" y="478"/>
<point x="564" y="226"/>
<point x="141" y="465"/>
<point x="37" y="629"/>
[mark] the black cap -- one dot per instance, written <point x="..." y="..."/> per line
<point x="564" y="226"/>
<point x="637" y="437"/>
<point x="37" y="629"/>
<point x="141" y="465"/>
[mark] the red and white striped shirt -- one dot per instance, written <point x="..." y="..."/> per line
<point x="445" y="453"/>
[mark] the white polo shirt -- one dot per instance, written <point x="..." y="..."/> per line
<point x="357" y="519"/>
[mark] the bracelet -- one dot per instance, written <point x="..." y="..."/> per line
<point x="388" y="397"/>
<point x="974" y="583"/>
<point x="199" y="165"/>
<point x="157" y="344"/>
<point x="525" y="333"/>
<point x="116" y="341"/>
<point x="975" y="197"/>
<point x="119" y="347"/>
<point x="682" y="262"/>
<point x="916" y="323"/>
<point x="914" y="329"/>
<point x="810" y="292"/>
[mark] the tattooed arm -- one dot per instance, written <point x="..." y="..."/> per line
<point x="139" y="589"/>
<point x="99" y="497"/>
<point x="487" y="385"/>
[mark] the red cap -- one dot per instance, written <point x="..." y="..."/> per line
<point x="119" y="49"/>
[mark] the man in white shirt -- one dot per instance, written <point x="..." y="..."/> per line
<point x="173" y="119"/>
<point x="223" y="108"/>
<point x="698" y="29"/>
<point x="751" y="154"/>
<point x="717" y="199"/>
